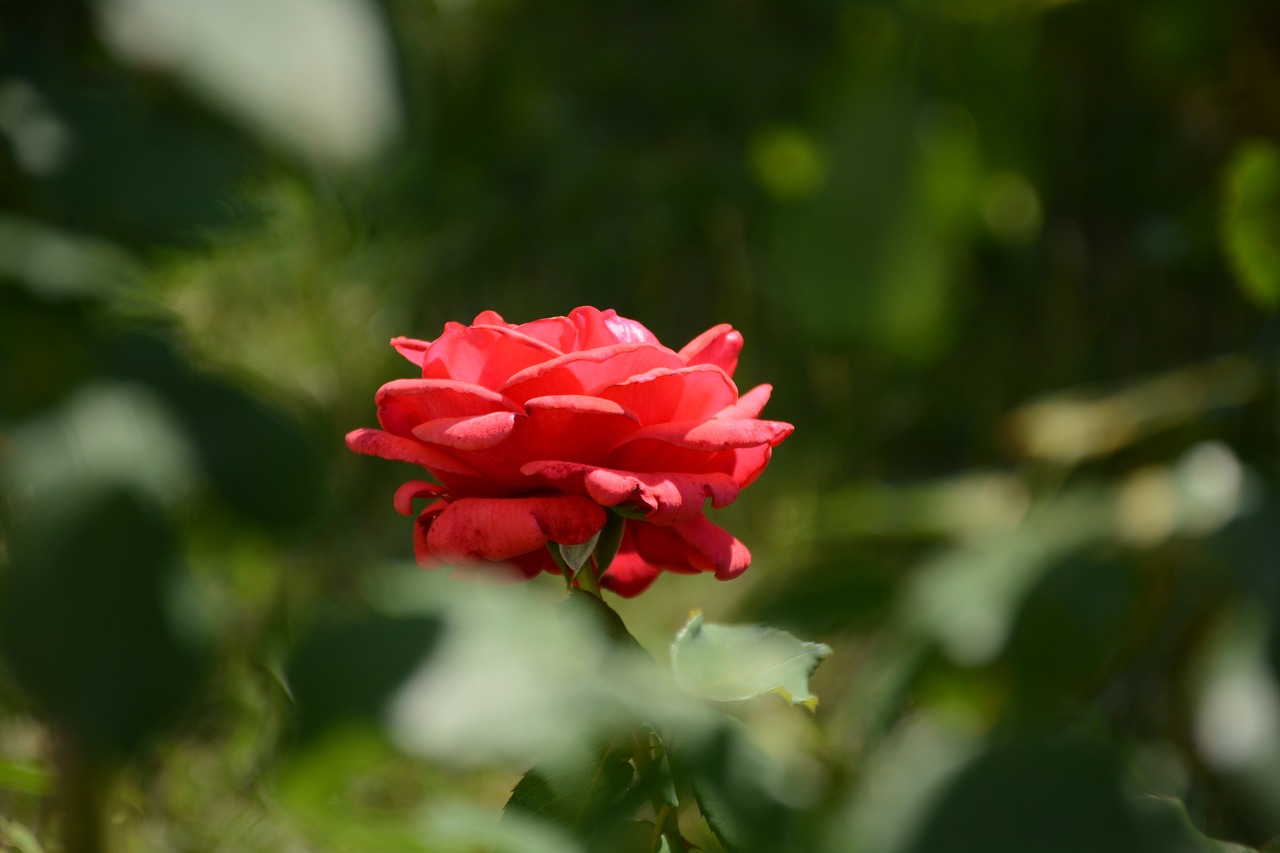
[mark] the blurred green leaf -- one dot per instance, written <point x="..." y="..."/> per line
<point x="738" y="789"/>
<point x="22" y="838"/>
<point x="349" y="672"/>
<point x="577" y="798"/>
<point x="733" y="662"/>
<point x="26" y="778"/>
<point x="1032" y="795"/>
<point x="1168" y="829"/>
<point x="84" y="617"/>
<point x="315" y="76"/>
<point x="1251" y="220"/>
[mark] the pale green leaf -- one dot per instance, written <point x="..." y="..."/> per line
<point x="576" y="556"/>
<point x="734" y="662"/>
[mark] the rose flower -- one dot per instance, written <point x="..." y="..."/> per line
<point x="531" y="431"/>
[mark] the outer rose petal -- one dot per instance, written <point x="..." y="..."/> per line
<point x="718" y="345"/>
<point x="375" y="442"/>
<point x="695" y="546"/>
<point x="411" y="348"/>
<point x="471" y="529"/>
<point x="403" y="500"/>
<point x="458" y="476"/>
<point x="715" y="434"/>
<point x="669" y="496"/>
<point x="749" y="405"/>
<point x="405" y="403"/>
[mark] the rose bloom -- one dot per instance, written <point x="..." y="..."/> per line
<point x="530" y="431"/>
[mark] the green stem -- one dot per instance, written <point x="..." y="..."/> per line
<point x="81" y="790"/>
<point x="666" y="820"/>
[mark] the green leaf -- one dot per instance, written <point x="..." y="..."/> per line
<point x="1251" y="221"/>
<point x="736" y="786"/>
<point x="25" y="778"/>
<point x="17" y="836"/>
<point x="734" y="662"/>
<point x="575" y="556"/>
<point x="580" y="796"/>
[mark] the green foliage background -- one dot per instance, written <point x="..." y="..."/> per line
<point x="1009" y="264"/>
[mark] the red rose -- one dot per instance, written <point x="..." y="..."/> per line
<point x="532" y="430"/>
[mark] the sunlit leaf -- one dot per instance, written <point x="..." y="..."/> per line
<point x="1251" y="221"/>
<point x="734" y="662"/>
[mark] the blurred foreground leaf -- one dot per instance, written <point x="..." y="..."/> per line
<point x="85" y="619"/>
<point x="349" y="672"/>
<point x="733" y="662"/>
<point x="1051" y="798"/>
<point x="739" y="789"/>
<point x="578" y="798"/>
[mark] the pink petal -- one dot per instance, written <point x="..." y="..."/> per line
<point x="471" y="529"/>
<point x="441" y="464"/>
<point x="403" y="500"/>
<point x="718" y="345"/>
<point x="713" y="548"/>
<point x="662" y="395"/>
<point x="375" y="442"/>
<point x="667" y="497"/>
<point x="626" y="331"/>
<point x="715" y="434"/>
<point x="749" y="405"/>
<point x="489" y="318"/>
<point x="411" y="348"/>
<point x="405" y="403"/>
<point x="558" y="332"/>
<point x="629" y="574"/>
<point x="421" y="529"/>
<point x="749" y="463"/>
<point x="483" y="355"/>
<point x="587" y="372"/>
<point x="469" y="433"/>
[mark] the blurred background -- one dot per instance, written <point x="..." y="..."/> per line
<point x="1011" y="266"/>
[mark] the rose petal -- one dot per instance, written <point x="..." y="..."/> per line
<point x="375" y="442"/>
<point x="715" y="434"/>
<point x="483" y="355"/>
<point x="473" y="433"/>
<point x="403" y="500"/>
<point x="489" y="318"/>
<point x="588" y="371"/>
<point x="411" y="348"/>
<point x="694" y="546"/>
<point x="405" y="403"/>
<point x="718" y="345"/>
<point x="558" y="332"/>
<point x="749" y="405"/>
<point x="472" y="529"/>
<point x="421" y="529"/>
<point x="457" y="476"/>
<point x="627" y="331"/>
<point x="712" y="548"/>
<point x="669" y="497"/>
<point x="684" y="394"/>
